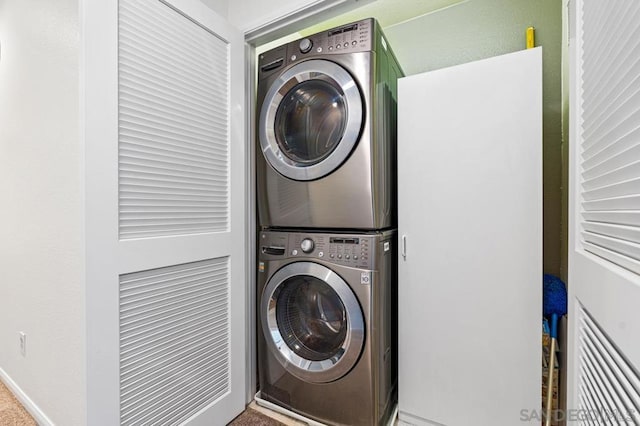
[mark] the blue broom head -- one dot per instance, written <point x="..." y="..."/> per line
<point x="554" y="296"/>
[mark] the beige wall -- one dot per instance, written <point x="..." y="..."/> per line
<point x="41" y="222"/>
<point x="478" y="29"/>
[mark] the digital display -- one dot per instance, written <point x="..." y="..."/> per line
<point x="343" y="30"/>
<point x="334" y="240"/>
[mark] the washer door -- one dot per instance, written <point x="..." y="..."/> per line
<point x="312" y="322"/>
<point x="310" y="120"/>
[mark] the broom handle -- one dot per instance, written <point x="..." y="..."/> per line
<point x="552" y="359"/>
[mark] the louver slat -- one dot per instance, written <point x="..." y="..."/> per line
<point x="629" y="233"/>
<point x="174" y="341"/>
<point x="173" y="124"/>
<point x="610" y="135"/>
<point x="609" y="388"/>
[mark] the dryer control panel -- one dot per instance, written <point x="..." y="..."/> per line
<point x="354" y="250"/>
<point x="355" y="37"/>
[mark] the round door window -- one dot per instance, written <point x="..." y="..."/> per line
<point x="310" y="120"/>
<point x="312" y="322"/>
<point x="311" y="318"/>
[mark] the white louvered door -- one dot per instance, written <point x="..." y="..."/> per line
<point x="604" y="255"/>
<point x="166" y="214"/>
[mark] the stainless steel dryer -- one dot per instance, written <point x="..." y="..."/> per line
<point x="326" y="131"/>
<point x="325" y="344"/>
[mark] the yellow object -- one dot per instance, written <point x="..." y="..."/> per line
<point x="531" y="38"/>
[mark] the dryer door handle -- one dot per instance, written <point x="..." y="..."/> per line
<point x="404" y="247"/>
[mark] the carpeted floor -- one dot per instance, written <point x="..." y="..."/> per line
<point x="11" y="412"/>
<point x="252" y="418"/>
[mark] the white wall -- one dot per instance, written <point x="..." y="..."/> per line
<point x="249" y="14"/>
<point x="221" y="7"/>
<point x="41" y="220"/>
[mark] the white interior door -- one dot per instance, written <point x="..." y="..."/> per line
<point x="165" y="213"/>
<point x="604" y="221"/>
<point x="470" y="222"/>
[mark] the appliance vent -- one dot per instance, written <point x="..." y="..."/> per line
<point x="174" y="341"/>
<point x="609" y="386"/>
<point x="173" y="124"/>
<point x="610" y="131"/>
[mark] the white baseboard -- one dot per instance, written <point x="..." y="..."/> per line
<point x="35" y="411"/>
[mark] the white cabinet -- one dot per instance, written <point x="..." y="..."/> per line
<point x="470" y="223"/>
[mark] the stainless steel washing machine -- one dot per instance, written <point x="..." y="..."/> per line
<point x="326" y="131"/>
<point x="325" y="343"/>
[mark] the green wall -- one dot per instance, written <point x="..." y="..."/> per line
<point x="478" y="29"/>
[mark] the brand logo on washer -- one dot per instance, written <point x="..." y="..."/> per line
<point x="365" y="278"/>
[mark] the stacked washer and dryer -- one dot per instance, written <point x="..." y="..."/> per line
<point x="327" y="242"/>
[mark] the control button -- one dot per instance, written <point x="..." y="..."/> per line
<point x="332" y="255"/>
<point x="346" y="45"/>
<point x="294" y="57"/>
<point x="330" y="48"/>
<point x="320" y="254"/>
<point x="294" y="252"/>
<point x="319" y="49"/>
<point x="355" y="257"/>
<point x="354" y="42"/>
<point x="307" y="245"/>
<point x="305" y="45"/>
<point x="346" y="256"/>
<point x="339" y="256"/>
<point x="338" y="46"/>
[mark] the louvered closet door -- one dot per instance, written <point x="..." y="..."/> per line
<point x="604" y="256"/>
<point x="165" y="214"/>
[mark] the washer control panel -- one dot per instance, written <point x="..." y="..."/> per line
<point x="348" y="249"/>
<point x="354" y="250"/>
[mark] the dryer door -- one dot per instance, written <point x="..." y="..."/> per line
<point x="312" y="322"/>
<point x="310" y="120"/>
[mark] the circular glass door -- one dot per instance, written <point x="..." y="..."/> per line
<point x="310" y="120"/>
<point x="312" y="322"/>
